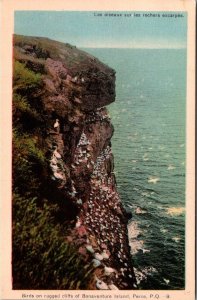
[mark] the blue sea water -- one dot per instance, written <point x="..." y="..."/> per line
<point x="149" y="150"/>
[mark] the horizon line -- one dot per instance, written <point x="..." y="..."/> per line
<point x="151" y="48"/>
<point x="61" y="40"/>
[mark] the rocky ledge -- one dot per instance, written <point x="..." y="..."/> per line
<point x="76" y="130"/>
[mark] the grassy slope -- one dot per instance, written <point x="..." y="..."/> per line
<point x="42" y="259"/>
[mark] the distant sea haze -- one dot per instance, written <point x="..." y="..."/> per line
<point x="149" y="150"/>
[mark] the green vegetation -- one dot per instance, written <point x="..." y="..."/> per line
<point x="28" y="164"/>
<point x="26" y="116"/>
<point x="28" y="153"/>
<point x="26" y="106"/>
<point x="42" y="258"/>
<point x="24" y="78"/>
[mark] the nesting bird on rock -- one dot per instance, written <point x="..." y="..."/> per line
<point x="56" y="125"/>
<point x="109" y="271"/>
<point x="78" y="224"/>
<point x="58" y="175"/>
<point x="101" y="285"/>
<point x="105" y="255"/>
<point x="54" y="167"/>
<point x="79" y="201"/>
<point x="96" y="263"/>
<point x="75" y="79"/>
<point x="89" y="248"/>
<point x="56" y="153"/>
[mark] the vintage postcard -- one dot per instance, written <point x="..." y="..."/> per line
<point x="97" y="149"/>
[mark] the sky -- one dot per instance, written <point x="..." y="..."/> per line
<point x="91" y="29"/>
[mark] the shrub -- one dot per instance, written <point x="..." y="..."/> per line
<point x="21" y="104"/>
<point x="28" y="163"/>
<point x="24" y="78"/>
<point x="42" y="259"/>
<point x="26" y="105"/>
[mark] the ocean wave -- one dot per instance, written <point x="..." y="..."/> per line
<point x="136" y="189"/>
<point x="134" y="161"/>
<point x="145" y="157"/>
<point x="133" y="230"/>
<point x="136" y="246"/>
<point x="163" y="230"/>
<point x="141" y="275"/>
<point x="175" y="211"/>
<point x="146" y="194"/>
<point x="161" y="147"/>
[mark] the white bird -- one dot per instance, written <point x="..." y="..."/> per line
<point x="145" y="251"/>
<point x="56" y="124"/>
<point x="54" y="167"/>
<point x="96" y="263"/>
<point x="166" y="280"/>
<point x="109" y="271"/>
<point x="79" y="201"/>
<point x="72" y="194"/>
<point x="58" y="175"/>
<point x="78" y="224"/>
<point x="56" y="153"/>
<point x="89" y="248"/>
<point x="113" y="287"/>
<point x="53" y="160"/>
<point x="105" y="255"/>
<point x="125" y="264"/>
<point x="153" y="180"/>
<point x="176" y="239"/>
<point x="101" y="285"/>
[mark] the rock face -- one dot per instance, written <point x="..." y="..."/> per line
<point x="77" y="131"/>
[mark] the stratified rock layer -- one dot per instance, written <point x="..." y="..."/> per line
<point x="77" y="131"/>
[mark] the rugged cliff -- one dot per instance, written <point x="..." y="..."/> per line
<point x="60" y="107"/>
